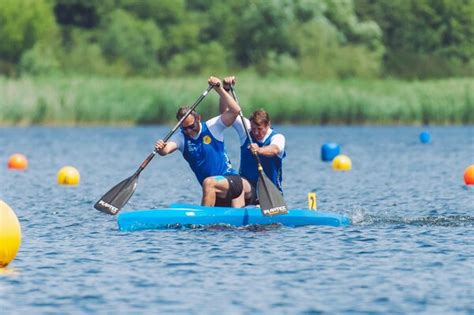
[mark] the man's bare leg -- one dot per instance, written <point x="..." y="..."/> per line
<point x="212" y="187"/>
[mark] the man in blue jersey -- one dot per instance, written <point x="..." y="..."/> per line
<point x="202" y="146"/>
<point x="267" y="143"/>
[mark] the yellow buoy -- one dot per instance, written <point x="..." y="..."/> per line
<point x="68" y="175"/>
<point x="10" y="234"/>
<point x="17" y="162"/>
<point x="342" y="163"/>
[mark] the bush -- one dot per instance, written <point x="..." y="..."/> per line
<point x="322" y="56"/>
<point x="206" y="58"/>
<point x="85" y="57"/>
<point x="39" y="60"/>
<point x="135" y="41"/>
<point x="22" y="24"/>
<point x="279" y="65"/>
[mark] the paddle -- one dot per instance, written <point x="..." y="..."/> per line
<point x="117" y="197"/>
<point x="271" y="199"/>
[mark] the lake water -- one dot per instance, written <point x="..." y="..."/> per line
<point x="410" y="248"/>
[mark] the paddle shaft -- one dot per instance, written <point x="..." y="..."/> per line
<point x="118" y="196"/>
<point x="255" y="154"/>
<point x="172" y="131"/>
<point x="259" y="164"/>
<point x="271" y="199"/>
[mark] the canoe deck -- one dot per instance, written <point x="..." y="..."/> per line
<point x="192" y="215"/>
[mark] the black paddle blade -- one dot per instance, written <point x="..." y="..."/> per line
<point x="271" y="199"/>
<point x="117" y="197"/>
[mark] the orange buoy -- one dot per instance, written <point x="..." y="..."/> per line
<point x="17" y="162"/>
<point x="469" y="175"/>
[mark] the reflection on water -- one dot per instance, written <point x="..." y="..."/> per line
<point x="9" y="271"/>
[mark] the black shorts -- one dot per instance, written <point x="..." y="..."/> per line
<point x="235" y="190"/>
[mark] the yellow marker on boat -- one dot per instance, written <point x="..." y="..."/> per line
<point x="312" y="204"/>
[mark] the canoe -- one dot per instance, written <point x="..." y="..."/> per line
<point x="192" y="215"/>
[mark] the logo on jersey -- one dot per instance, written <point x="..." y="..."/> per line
<point x="206" y="139"/>
<point x="192" y="147"/>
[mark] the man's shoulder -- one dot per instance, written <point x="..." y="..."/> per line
<point x="214" y="121"/>
<point x="216" y="127"/>
<point x="177" y="136"/>
<point x="275" y="133"/>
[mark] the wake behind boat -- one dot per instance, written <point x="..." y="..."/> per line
<point x="186" y="215"/>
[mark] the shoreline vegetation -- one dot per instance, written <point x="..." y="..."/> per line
<point x="134" y="62"/>
<point x="82" y="100"/>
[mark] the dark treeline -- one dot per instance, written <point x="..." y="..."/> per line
<point x="315" y="39"/>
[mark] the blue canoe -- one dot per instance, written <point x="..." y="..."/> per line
<point x="186" y="215"/>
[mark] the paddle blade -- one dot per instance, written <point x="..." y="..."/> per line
<point x="118" y="196"/>
<point x="271" y="199"/>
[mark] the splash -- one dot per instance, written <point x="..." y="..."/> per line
<point x="447" y="221"/>
<point x="360" y="217"/>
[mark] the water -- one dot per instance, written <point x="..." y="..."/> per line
<point x="410" y="249"/>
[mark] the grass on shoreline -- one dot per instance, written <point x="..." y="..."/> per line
<point x="113" y="101"/>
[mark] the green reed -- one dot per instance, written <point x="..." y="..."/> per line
<point x="94" y="100"/>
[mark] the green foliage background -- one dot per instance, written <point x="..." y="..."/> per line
<point x="315" y="39"/>
<point x="360" y="51"/>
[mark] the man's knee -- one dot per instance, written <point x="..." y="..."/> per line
<point x="208" y="186"/>
<point x="208" y="182"/>
<point x="216" y="184"/>
<point x="250" y="194"/>
<point x="247" y="187"/>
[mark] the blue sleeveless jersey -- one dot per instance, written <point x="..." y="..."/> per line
<point x="272" y="166"/>
<point x="206" y="155"/>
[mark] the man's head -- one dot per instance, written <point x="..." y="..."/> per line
<point x="259" y="124"/>
<point x="191" y="124"/>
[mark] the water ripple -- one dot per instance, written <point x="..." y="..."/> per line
<point x="410" y="248"/>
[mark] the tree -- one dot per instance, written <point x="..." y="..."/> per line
<point x="136" y="41"/>
<point x="23" y="23"/>
<point x="424" y="38"/>
<point x="163" y="12"/>
<point x="206" y="58"/>
<point x="264" y="27"/>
